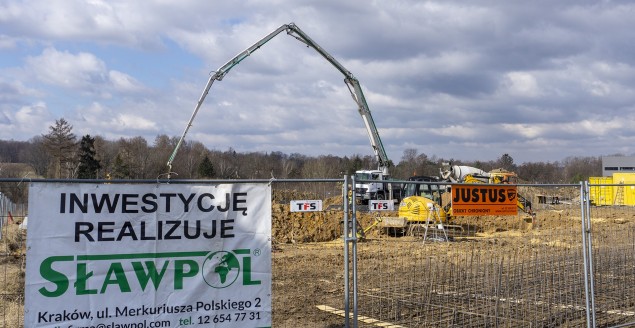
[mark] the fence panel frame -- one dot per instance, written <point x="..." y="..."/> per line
<point x="604" y="245"/>
<point x="354" y="254"/>
<point x="308" y="183"/>
<point x="497" y="274"/>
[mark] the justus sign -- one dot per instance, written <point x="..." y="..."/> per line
<point x="484" y="200"/>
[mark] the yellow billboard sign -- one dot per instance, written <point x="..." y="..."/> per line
<point x="484" y="200"/>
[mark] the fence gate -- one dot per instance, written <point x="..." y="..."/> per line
<point x="477" y="271"/>
<point x="610" y="245"/>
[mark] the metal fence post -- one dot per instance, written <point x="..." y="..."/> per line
<point x="589" y="236"/>
<point x="352" y="238"/>
<point x="345" y="198"/>
<point x="587" y="254"/>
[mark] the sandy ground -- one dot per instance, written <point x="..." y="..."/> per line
<point x="537" y="258"/>
<point x="308" y="261"/>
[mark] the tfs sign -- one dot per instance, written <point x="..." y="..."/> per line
<point x="306" y="205"/>
<point x="381" y="205"/>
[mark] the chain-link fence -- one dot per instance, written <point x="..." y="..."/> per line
<point x="13" y="221"/>
<point x="470" y="271"/>
<point x="308" y="254"/>
<point x="481" y="271"/>
<point x="611" y="228"/>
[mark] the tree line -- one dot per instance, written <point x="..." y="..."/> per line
<point x="60" y="154"/>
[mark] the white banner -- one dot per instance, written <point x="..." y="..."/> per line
<point x="150" y="255"/>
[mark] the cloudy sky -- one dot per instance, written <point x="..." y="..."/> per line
<point x="540" y="80"/>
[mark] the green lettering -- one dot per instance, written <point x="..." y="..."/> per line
<point x="247" y="272"/>
<point x="119" y="278"/>
<point x="144" y="276"/>
<point x="82" y="278"/>
<point x="180" y="273"/>
<point x="59" y="279"/>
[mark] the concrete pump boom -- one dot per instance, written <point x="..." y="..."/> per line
<point x="351" y="82"/>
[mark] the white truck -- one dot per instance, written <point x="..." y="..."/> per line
<point x="380" y="187"/>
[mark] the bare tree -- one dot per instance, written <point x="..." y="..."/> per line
<point x="408" y="163"/>
<point x="540" y="172"/>
<point x="139" y="155"/>
<point x="322" y="167"/>
<point x="578" y="169"/>
<point x="191" y="153"/>
<point x="56" y="152"/>
<point x="35" y="154"/>
<point x="228" y="164"/>
<point x="161" y="150"/>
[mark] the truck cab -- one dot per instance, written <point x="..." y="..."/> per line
<point x="432" y="191"/>
<point x="380" y="187"/>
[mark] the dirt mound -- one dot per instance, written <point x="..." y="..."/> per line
<point x="293" y="227"/>
<point x="326" y="225"/>
<point x="305" y="227"/>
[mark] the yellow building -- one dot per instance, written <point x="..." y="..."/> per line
<point x="618" y="189"/>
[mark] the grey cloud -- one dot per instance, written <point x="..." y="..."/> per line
<point x="540" y="80"/>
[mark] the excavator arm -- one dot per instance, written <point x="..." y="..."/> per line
<point x="351" y="82"/>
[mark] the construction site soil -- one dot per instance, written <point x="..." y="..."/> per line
<point x="308" y="261"/>
<point x="325" y="226"/>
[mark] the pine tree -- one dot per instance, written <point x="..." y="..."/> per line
<point x="206" y="168"/>
<point x="88" y="164"/>
<point x="506" y="162"/>
<point x="355" y="164"/>
<point x="120" y="170"/>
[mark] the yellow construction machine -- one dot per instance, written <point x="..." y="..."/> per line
<point x="426" y="199"/>
<point x="421" y="208"/>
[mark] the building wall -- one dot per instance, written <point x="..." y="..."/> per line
<point x="599" y="192"/>
<point x="616" y="190"/>
<point x="617" y="164"/>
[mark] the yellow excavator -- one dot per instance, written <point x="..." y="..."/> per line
<point x="426" y="200"/>
<point x="423" y="206"/>
<point x="423" y="200"/>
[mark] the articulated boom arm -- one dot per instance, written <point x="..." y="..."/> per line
<point x="350" y="80"/>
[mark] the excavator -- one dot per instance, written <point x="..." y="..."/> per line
<point x="424" y="203"/>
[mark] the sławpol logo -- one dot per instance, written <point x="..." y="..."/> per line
<point x="222" y="268"/>
<point x="113" y="255"/>
<point x="173" y="271"/>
